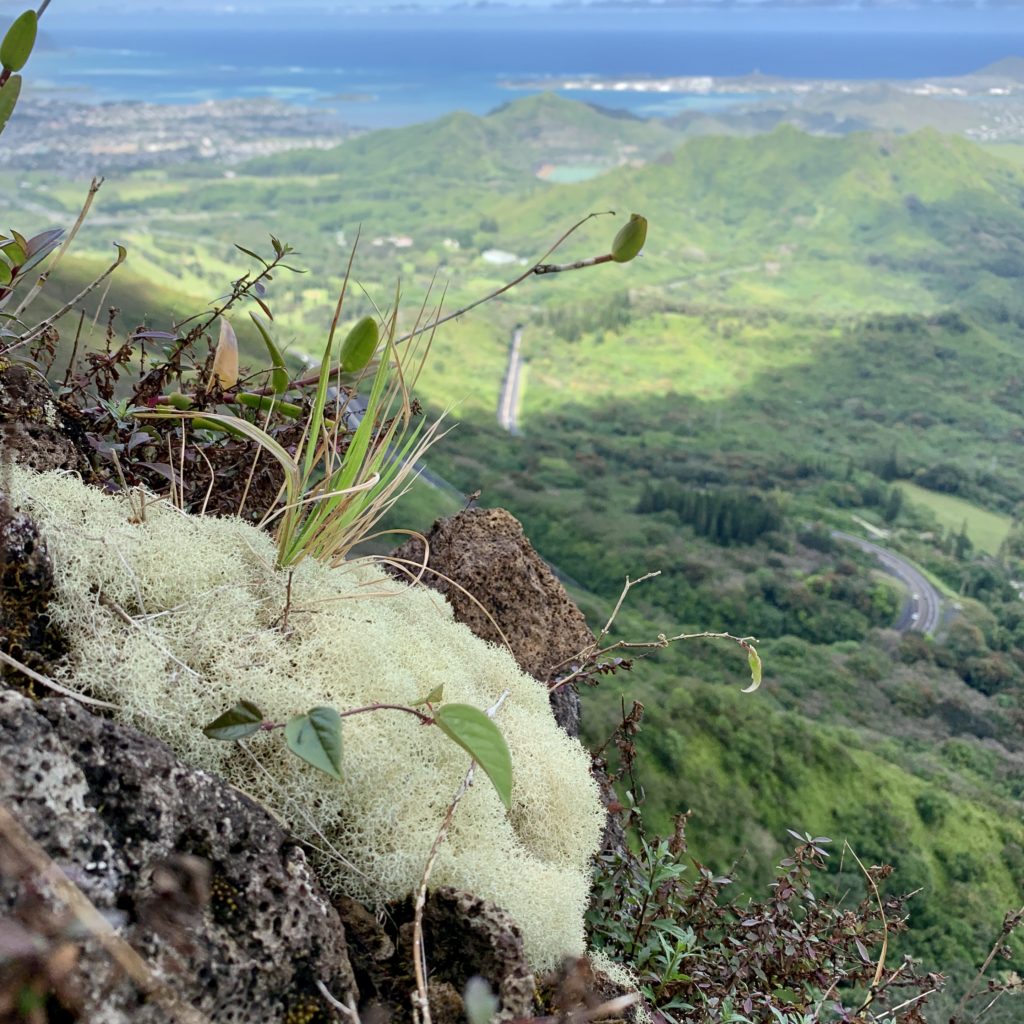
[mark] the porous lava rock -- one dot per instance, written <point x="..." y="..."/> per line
<point x="464" y="936"/>
<point x="486" y="552"/>
<point x="209" y="889"/>
<point x="26" y="588"/>
<point x="37" y="430"/>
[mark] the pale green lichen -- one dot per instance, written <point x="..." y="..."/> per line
<point x="206" y="606"/>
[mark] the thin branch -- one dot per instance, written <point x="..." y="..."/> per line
<point x="420" y="1001"/>
<point x="905" y="1004"/>
<point x="425" y="719"/>
<point x="400" y="563"/>
<point x="880" y="968"/>
<point x="349" y="1012"/>
<point x="558" y="268"/>
<point x="537" y="268"/>
<point x="650" y="645"/>
<point x="36" y="331"/>
<point x="133" y="965"/>
<point x="56" y="687"/>
<point x="612" y="1008"/>
<point x="1010" y="923"/>
<point x="94" y="186"/>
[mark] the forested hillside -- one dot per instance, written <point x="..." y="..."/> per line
<point x="822" y="333"/>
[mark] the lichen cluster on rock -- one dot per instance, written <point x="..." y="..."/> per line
<point x="174" y="618"/>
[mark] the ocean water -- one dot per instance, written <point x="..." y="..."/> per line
<point x="379" y="77"/>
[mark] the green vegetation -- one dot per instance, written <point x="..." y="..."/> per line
<point x="818" y="328"/>
<point x="986" y="530"/>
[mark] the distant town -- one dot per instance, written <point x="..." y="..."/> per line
<point x="82" y="139"/>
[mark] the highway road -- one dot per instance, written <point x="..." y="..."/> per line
<point x="922" y="612"/>
<point x="508" y="400"/>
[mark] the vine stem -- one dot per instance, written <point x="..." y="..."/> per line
<point x="425" y="719"/>
<point x="420" y="1000"/>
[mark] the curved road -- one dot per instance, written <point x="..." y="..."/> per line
<point x="922" y="612"/>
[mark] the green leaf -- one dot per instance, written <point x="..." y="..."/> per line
<point x="14" y="251"/>
<point x="359" y="345"/>
<point x="9" y="94"/>
<point x="630" y="239"/>
<point x="482" y="740"/>
<point x="754" y="660"/>
<point x="434" y="697"/>
<point x="316" y="738"/>
<point x="279" y="377"/>
<point x="16" y="48"/>
<point x="240" y="721"/>
<point x="254" y="255"/>
<point x="6" y="276"/>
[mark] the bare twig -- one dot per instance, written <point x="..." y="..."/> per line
<point x="349" y="1012"/>
<point x="650" y="645"/>
<point x="94" y="186"/>
<point x="420" y="1001"/>
<point x="880" y="968"/>
<point x="906" y="1003"/>
<point x="133" y="965"/>
<point x="1010" y="923"/>
<point x="612" y="1008"/>
<point x="56" y="687"/>
<point x="540" y="267"/>
<point x="36" y="331"/>
<point x="400" y="563"/>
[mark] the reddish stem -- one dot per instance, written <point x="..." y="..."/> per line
<point x="425" y="719"/>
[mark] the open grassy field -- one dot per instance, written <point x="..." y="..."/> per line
<point x="986" y="530"/>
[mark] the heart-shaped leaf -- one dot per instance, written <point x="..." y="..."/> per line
<point x="242" y="720"/>
<point x="316" y="738"/>
<point x="14" y="251"/>
<point x="482" y="740"/>
<point x="434" y="697"/>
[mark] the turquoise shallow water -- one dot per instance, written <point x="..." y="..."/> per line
<point x="389" y="76"/>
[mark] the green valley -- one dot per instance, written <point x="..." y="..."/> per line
<point x="821" y="332"/>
